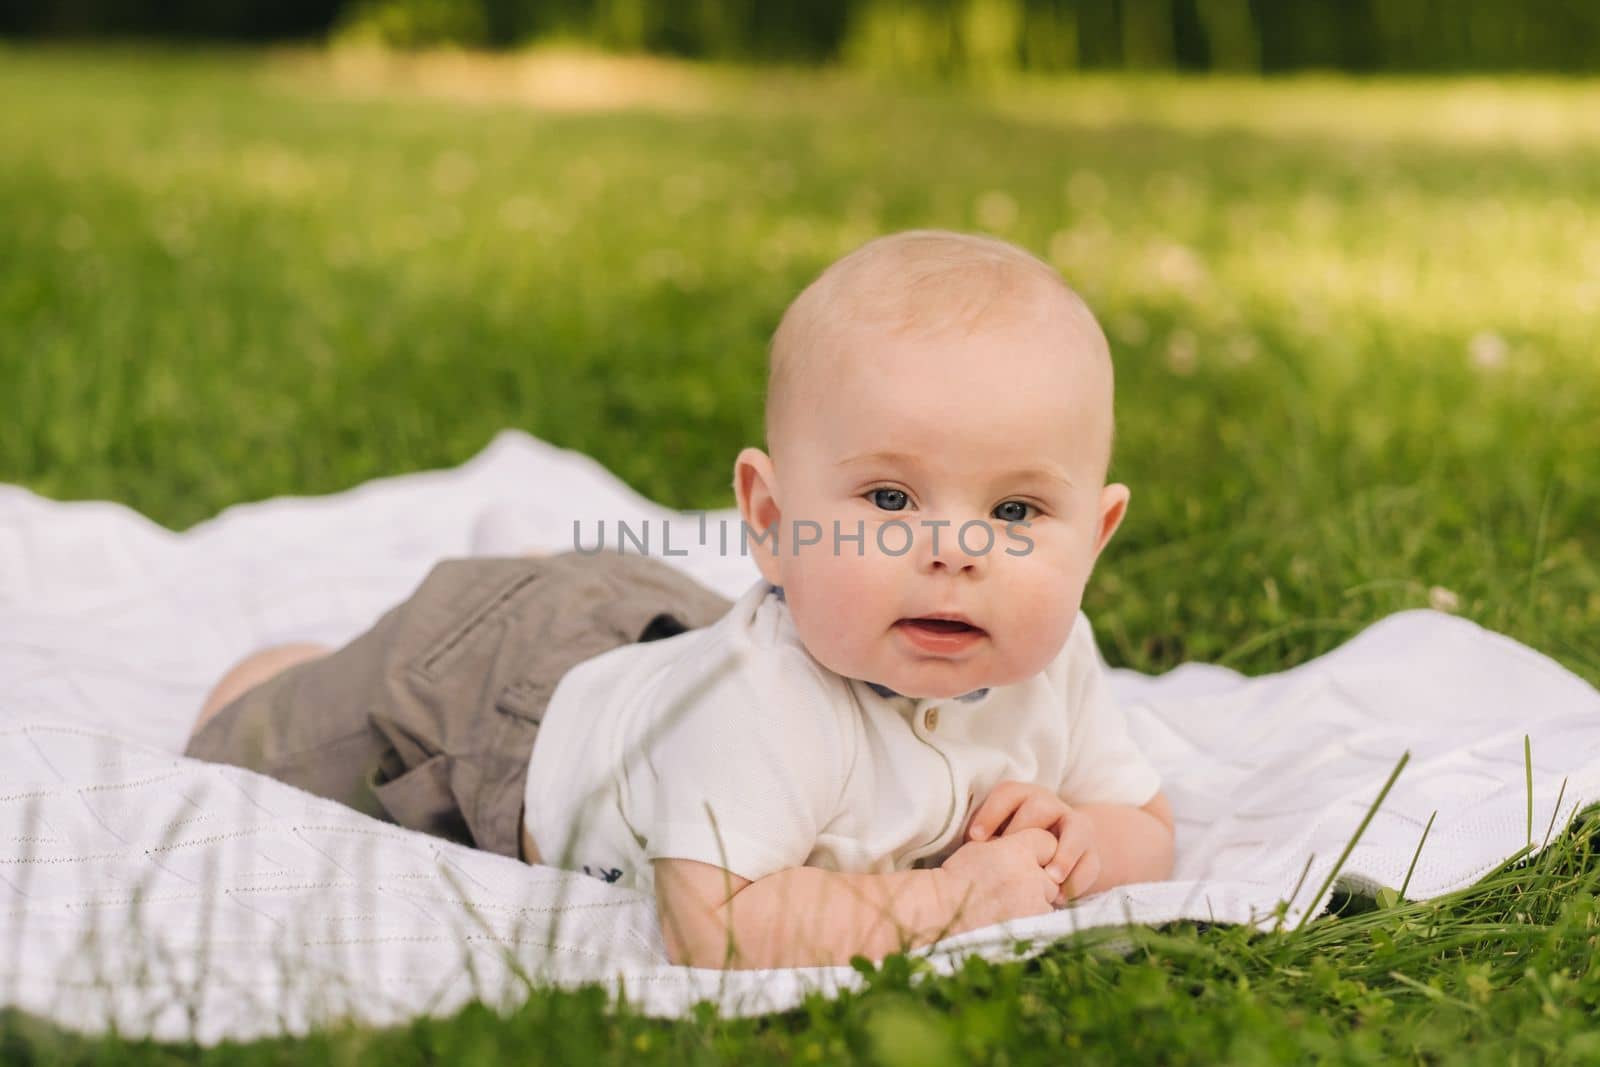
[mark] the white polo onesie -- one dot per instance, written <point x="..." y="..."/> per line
<point x="731" y="745"/>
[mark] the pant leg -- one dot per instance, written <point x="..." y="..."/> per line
<point x="428" y="718"/>
<point x="464" y="710"/>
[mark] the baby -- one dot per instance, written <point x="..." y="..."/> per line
<point x="901" y="731"/>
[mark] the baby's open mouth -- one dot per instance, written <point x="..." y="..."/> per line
<point x="944" y="626"/>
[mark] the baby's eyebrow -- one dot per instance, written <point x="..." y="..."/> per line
<point x="882" y="457"/>
<point x="1040" y="473"/>
<point x="1025" y="473"/>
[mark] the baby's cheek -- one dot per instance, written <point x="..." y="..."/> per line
<point x="832" y="627"/>
<point x="1026" y="642"/>
<point x="849" y="591"/>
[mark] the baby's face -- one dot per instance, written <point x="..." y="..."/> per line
<point x="954" y="436"/>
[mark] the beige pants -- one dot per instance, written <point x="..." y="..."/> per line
<point x="428" y="718"/>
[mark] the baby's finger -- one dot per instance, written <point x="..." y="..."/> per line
<point x="1041" y="843"/>
<point x="1049" y="892"/>
<point x="1068" y="851"/>
<point x="1083" y="876"/>
<point x="1042" y="810"/>
<point x="994" y="811"/>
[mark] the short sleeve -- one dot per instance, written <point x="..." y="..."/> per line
<point x="1104" y="765"/>
<point x="747" y="767"/>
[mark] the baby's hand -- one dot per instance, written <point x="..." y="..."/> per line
<point x="995" y="881"/>
<point x="1018" y="806"/>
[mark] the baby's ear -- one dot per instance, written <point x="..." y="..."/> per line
<point x="1113" y="506"/>
<point x="755" y="486"/>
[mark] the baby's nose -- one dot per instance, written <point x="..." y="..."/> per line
<point x="957" y="546"/>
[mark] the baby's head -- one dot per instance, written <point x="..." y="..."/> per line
<point x="956" y="384"/>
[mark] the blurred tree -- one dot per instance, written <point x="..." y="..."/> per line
<point x="1100" y="33"/>
<point x="227" y="19"/>
<point x="1230" y="34"/>
<point x="1050" y="35"/>
<point x="942" y="38"/>
<point x="419" y="23"/>
<point x="1147" y="34"/>
<point x="989" y="33"/>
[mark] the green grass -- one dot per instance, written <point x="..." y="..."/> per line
<point x="1354" y="328"/>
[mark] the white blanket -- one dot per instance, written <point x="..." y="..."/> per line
<point x="178" y="898"/>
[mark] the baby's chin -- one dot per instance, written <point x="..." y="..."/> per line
<point x="937" y="680"/>
<point x="890" y="664"/>
<point x="932" y="680"/>
<point x="943" y="693"/>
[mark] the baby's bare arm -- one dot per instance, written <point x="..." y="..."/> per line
<point x="798" y="917"/>
<point x="1134" y="844"/>
<point x="807" y="916"/>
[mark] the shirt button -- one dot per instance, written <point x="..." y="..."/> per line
<point x="930" y="719"/>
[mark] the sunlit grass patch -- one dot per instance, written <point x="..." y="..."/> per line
<point x="559" y="78"/>
<point x="1540" y="114"/>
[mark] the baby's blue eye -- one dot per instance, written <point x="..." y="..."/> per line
<point x="1013" y="504"/>
<point x="897" y="495"/>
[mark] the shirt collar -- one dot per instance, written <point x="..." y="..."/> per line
<point x="884" y="691"/>
<point x="966" y="698"/>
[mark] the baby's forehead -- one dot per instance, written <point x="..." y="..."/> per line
<point x="969" y="295"/>
<point x="1045" y="377"/>
<point x="1054" y="335"/>
<point x="865" y="322"/>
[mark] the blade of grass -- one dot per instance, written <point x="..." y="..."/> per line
<point x="1351" y="844"/>
<point x="1555" y="811"/>
<point x="1417" y="853"/>
<point x="1429" y="991"/>
<point x="1527" y="767"/>
<point x="1294" y="893"/>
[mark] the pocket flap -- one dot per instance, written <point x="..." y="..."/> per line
<point x="421" y="799"/>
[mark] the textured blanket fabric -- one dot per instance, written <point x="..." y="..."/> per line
<point x="176" y="898"/>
